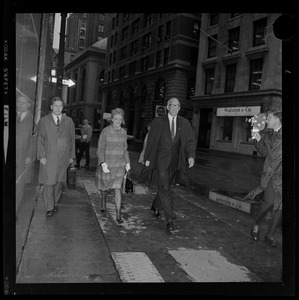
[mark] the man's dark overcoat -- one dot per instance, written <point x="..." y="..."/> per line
<point x="158" y="149"/>
<point x="57" y="146"/>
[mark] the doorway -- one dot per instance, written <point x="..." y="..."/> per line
<point x="204" y="132"/>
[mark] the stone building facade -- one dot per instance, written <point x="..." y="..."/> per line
<point x="239" y="74"/>
<point x="151" y="57"/>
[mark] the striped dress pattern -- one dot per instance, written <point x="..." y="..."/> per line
<point x="112" y="149"/>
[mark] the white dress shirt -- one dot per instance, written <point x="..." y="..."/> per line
<point x="170" y="117"/>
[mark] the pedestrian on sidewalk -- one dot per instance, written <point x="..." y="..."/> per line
<point x="86" y="135"/>
<point x="113" y="160"/>
<point x="55" y="150"/>
<point x="269" y="144"/>
<point x="170" y="149"/>
<point x="146" y="173"/>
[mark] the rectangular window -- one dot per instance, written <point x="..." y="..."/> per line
<point x="148" y="19"/>
<point x="166" y="56"/>
<point x="160" y="34"/>
<point x="259" y="27"/>
<point x="132" y="68"/>
<point x="168" y="30"/>
<point x="190" y="88"/>
<point x="158" y="58"/>
<point x="114" y="57"/>
<point x="147" y="40"/>
<point x="212" y="46"/>
<point x="112" y="77"/>
<point x="123" y="52"/>
<point x="195" y="31"/>
<point x="122" y="72"/>
<point x="125" y="33"/>
<point x="101" y="28"/>
<point x="209" y="80"/>
<point x="134" y="47"/>
<point x="255" y="80"/>
<point x="81" y="43"/>
<point x="135" y="26"/>
<point x="110" y="59"/>
<point x="144" y="63"/>
<point x="230" y="78"/>
<point x="214" y="19"/>
<point x="82" y="33"/>
<point x="226" y="129"/>
<point x="111" y="41"/>
<point x="115" y="38"/>
<point x="233" y="39"/>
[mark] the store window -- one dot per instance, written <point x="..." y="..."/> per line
<point x="226" y="129"/>
<point x="246" y="130"/>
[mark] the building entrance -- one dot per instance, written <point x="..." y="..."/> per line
<point x="204" y="132"/>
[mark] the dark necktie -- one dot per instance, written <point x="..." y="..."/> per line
<point x="57" y="124"/>
<point x="172" y="128"/>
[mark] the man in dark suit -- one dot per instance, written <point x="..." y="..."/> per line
<point x="170" y="148"/>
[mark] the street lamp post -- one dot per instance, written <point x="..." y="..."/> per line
<point x="60" y="65"/>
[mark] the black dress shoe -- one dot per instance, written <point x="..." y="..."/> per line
<point x="49" y="213"/>
<point x="55" y="209"/>
<point x="255" y="231"/>
<point x="119" y="221"/>
<point x="270" y="241"/>
<point x="169" y="226"/>
<point x="103" y="210"/>
<point x="157" y="213"/>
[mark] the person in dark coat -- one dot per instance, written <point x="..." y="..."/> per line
<point x="55" y="150"/>
<point x="170" y="149"/>
<point x="86" y="135"/>
<point x="269" y="144"/>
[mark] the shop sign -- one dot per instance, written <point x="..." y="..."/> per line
<point x="238" y="111"/>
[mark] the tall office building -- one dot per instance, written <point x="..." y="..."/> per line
<point x="83" y="30"/>
<point x="239" y="74"/>
<point x="151" y="57"/>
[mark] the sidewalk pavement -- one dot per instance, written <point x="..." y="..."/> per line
<point x="79" y="244"/>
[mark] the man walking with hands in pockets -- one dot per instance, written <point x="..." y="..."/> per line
<point x="170" y="149"/>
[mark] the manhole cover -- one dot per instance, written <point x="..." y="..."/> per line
<point x="135" y="267"/>
<point x="211" y="266"/>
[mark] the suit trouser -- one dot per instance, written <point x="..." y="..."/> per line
<point x="84" y="147"/>
<point x="267" y="206"/>
<point x="52" y="195"/>
<point x="164" y="198"/>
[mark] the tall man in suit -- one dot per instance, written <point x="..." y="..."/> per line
<point x="55" y="150"/>
<point x="170" y="148"/>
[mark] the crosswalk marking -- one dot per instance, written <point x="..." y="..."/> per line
<point x="212" y="266"/>
<point x="135" y="267"/>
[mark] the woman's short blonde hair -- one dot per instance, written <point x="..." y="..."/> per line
<point x="118" y="111"/>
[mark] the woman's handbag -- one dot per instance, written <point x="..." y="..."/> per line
<point x="128" y="184"/>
